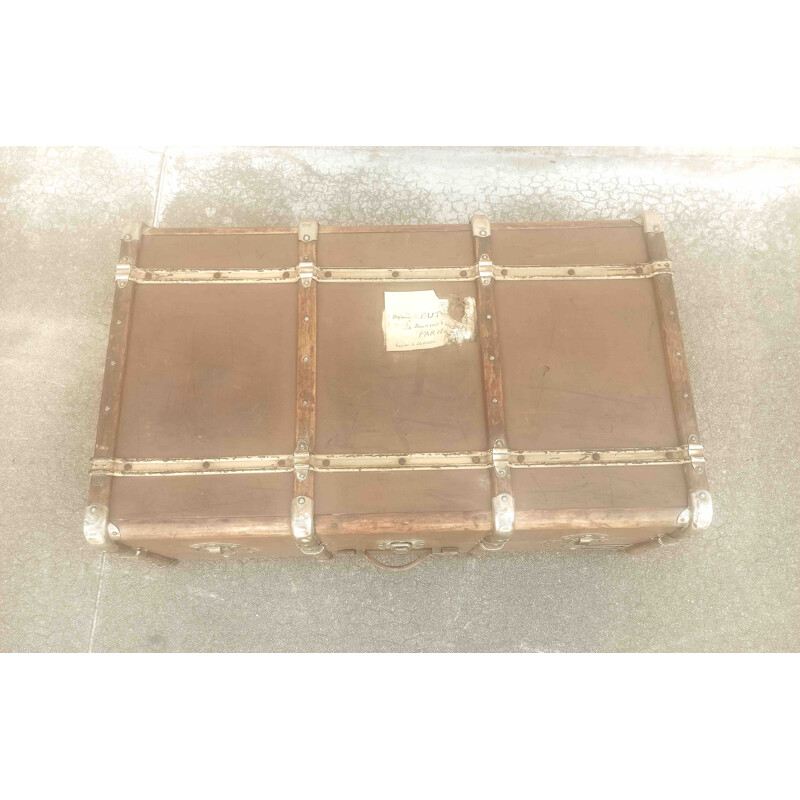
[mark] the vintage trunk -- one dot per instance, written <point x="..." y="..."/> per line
<point x="434" y="389"/>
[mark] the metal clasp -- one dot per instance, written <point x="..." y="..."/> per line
<point x="500" y="458"/>
<point x="402" y="545"/>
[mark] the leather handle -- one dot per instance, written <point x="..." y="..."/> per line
<point x="423" y="555"/>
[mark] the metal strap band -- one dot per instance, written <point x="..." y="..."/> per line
<point x="303" y="462"/>
<point x="307" y="270"/>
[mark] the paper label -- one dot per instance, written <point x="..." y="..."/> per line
<point x="414" y="320"/>
<point x="420" y="321"/>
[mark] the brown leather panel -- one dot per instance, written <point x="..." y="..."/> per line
<point x="373" y="401"/>
<point x="599" y="487"/>
<point x="565" y="246"/>
<point x="396" y="249"/>
<point x="402" y="492"/>
<point x="198" y="251"/>
<point x="210" y="372"/>
<point x="583" y="365"/>
<point x="201" y="496"/>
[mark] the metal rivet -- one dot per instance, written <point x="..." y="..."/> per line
<point x="504" y="272"/>
<point x="94" y="508"/>
<point x="570" y="272"/>
<point x="305" y="319"/>
<point x="108" y="408"/>
<point x="305" y="359"/>
<point x="206" y="464"/>
<point x="488" y="316"/>
<point x="521" y="459"/>
<point x="306" y="238"/>
<point x="484" y="257"/>
<point x="301" y="500"/>
<point x="305" y="402"/>
<point x="639" y="271"/>
<point x="686" y="394"/>
<point x="483" y="233"/>
<point x="498" y="442"/>
<point x="285" y="274"/>
<point x="395" y="274"/>
<point x="119" y="322"/>
<point x="401" y="461"/>
<point x="326" y="462"/>
<point x="217" y="275"/>
<point x="595" y="456"/>
<point x="678" y="353"/>
<point x="501" y="472"/>
<point x="491" y="358"/>
<point x="113" y="363"/>
<point x="476" y="459"/>
<point x="494" y="399"/>
<point x="327" y="273"/>
<point x="702" y="495"/>
<point x="128" y="467"/>
<point x="302" y="446"/>
<point x="463" y="273"/>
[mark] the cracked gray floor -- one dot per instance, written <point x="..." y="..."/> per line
<point x="733" y="227"/>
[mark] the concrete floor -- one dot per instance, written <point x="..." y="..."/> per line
<point x="733" y="228"/>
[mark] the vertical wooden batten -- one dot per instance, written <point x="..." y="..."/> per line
<point x="98" y="529"/>
<point x="502" y="497"/>
<point x="698" y="515"/>
<point x="302" y="511"/>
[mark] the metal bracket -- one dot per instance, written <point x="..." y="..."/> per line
<point x="485" y="269"/>
<point x="697" y="454"/>
<point x="702" y="510"/>
<point x="651" y="222"/>
<point x="481" y="226"/>
<point x="503" y="510"/>
<point x="500" y="459"/>
<point x="123" y="273"/>
<point x="96" y="528"/>
<point x="307" y="230"/>
<point x="306" y="272"/>
<point x="302" y="520"/>
<point x="302" y="461"/>
<point x="481" y="229"/>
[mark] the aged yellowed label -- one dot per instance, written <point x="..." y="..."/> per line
<point x="420" y="321"/>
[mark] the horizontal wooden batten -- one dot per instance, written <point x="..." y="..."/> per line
<point x="498" y="226"/>
<point x="379" y="462"/>
<point x="330" y="526"/>
<point x="228" y="275"/>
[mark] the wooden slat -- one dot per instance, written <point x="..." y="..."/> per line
<point x="675" y="354"/>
